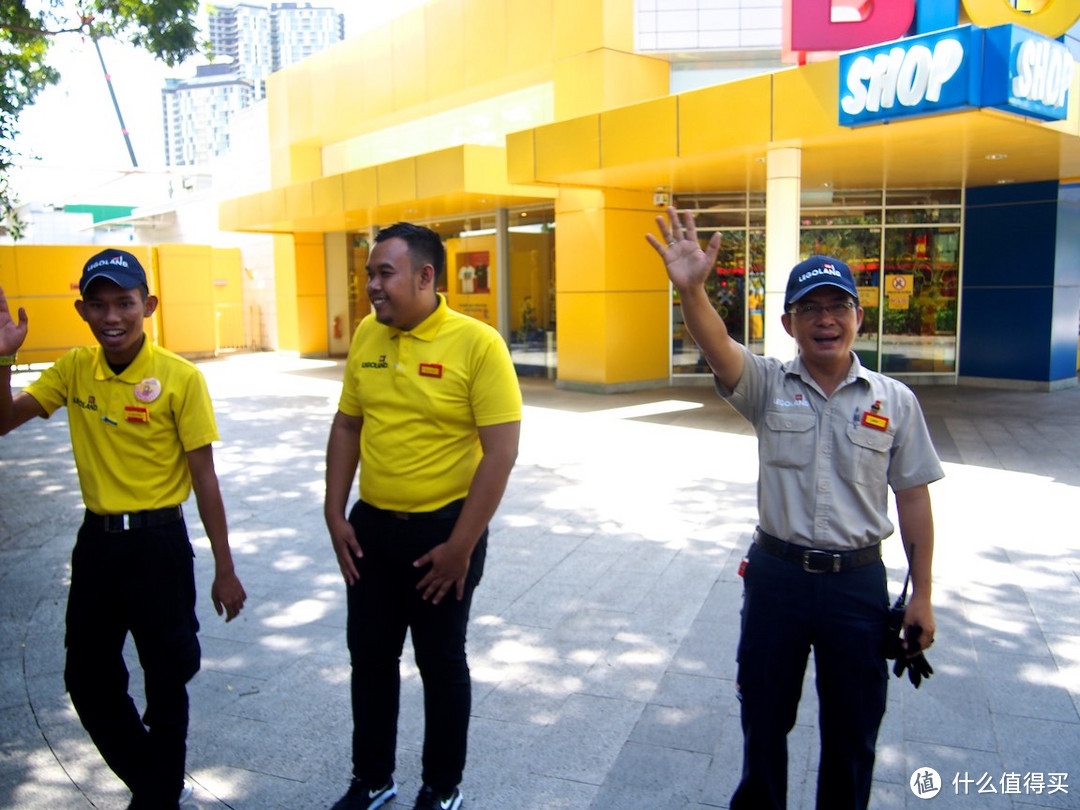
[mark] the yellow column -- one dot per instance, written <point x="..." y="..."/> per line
<point x="783" y="187"/>
<point x="613" y="306"/>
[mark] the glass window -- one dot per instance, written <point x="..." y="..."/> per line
<point x="736" y="288"/>
<point x="920" y="300"/>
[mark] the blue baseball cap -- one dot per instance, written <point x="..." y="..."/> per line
<point x="118" y="266"/>
<point x="818" y="271"/>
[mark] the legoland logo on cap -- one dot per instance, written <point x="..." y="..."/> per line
<point x="818" y="271"/>
<point x="118" y="266"/>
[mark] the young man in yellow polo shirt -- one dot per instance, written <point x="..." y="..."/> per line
<point x="141" y="425"/>
<point x="431" y="403"/>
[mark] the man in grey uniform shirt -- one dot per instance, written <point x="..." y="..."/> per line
<point x="833" y="437"/>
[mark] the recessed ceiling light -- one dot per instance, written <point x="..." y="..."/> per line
<point x="996" y="156"/>
<point x="1004" y="181"/>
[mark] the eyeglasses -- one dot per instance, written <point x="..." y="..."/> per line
<point x="836" y="310"/>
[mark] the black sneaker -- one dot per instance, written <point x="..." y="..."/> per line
<point x="428" y="799"/>
<point x="362" y="796"/>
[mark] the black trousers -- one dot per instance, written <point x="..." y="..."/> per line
<point x="842" y="616"/>
<point x="383" y="605"/>
<point x="139" y="582"/>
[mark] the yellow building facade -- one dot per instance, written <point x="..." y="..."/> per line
<point x="541" y="145"/>
<point x="200" y="287"/>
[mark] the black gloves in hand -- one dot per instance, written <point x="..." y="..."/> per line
<point x="917" y="665"/>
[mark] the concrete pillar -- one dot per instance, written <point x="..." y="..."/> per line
<point x="783" y="186"/>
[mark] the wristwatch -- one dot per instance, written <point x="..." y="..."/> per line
<point x="7" y="360"/>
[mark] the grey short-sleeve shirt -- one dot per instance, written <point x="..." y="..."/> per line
<point x="826" y="464"/>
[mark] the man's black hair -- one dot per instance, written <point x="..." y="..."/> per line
<point x="425" y="246"/>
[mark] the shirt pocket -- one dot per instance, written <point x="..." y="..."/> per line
<point x="788" y="440"/>
<point x="868" y="460"/>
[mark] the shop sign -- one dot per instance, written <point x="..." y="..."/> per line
<point x="1007" y="68"/>
<point x="919" y="76"/>
<point x="1026" y="74"/>
<point x="839" y="25"/>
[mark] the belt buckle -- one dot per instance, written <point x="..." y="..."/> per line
<point x="831" y="561"/>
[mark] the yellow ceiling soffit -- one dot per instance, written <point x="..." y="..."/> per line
<point x="717" y="138"/>
<point x="460" y="180"/>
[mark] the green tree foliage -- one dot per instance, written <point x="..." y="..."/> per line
<point x="164" y="28"/>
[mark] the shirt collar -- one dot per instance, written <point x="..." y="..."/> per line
<point x="856" y="372"/>
<point x="429" y="327"/>
<point x="137" y="369"/>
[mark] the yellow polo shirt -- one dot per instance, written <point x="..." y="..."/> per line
<point x="130" y="431"/>
<point x="422" y="395"/>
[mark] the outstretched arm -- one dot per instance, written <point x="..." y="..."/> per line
<point x="688" y="266"/>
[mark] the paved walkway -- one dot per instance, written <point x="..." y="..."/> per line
<point x="603" y="634"/>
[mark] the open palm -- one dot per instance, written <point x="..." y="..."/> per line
<point x="687" y="264"/>
<point x="12" y="332"/>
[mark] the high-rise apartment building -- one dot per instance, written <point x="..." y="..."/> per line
<point x="261" y="39"/>
<point x="249" y="41"/>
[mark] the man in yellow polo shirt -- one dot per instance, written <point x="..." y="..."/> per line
<point x="431" y="403"/>
<point x="141" y="425"/>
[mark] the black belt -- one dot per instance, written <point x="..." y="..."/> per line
<point x="817" y="560"/>
<point x="134" y="520"/>
<point x="451" y="510"/>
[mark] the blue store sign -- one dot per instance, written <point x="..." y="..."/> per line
<point x="1007" y="67"/>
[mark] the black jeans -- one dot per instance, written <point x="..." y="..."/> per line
<point x="843" y="616"/>
<point x="140" y="582"/>
<point x="383" y="605"/>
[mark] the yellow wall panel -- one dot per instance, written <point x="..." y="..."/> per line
<point x="185" y="274"/>
<point x="227" y="276"/>
<point x="568" y="146"/>
<point x="361" y="189"/>
<point x="725" y="116"/>
<point x="579" y="243"/>
<point x="7" y="271"/>
<point x="805" y="102"/>
<point x="485" y="168"/>
<point x="579" y="26"/>
<point x="441" y="172"/>
<point x="627" y="266"/>
<point x="288" y="324"/>
<point x="605" y="79"/>
<point x="350" y="107"/>
<point x="298" y="87"/>
<point x="485" y="41"/>
<point x="409" y="59"/>
<point x="305" y="163"/>
<point x="298" y="201"/>
<point x="397" y="181"/>
<point x="310" y="270"/>
<point x="521" y="156"/>
<point x="311" y="300"/>
<point x="637" y="336"/>
<point x="642" y="132"/>
<point x="277" y="110"/>
<point x="376" y="87"/>
<point x="312" y="336"/>
<point x="446" y="72"/>
<point x="328" y="195"/>
<point x="582" y="320"/>
<point x="529" y="34"/>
